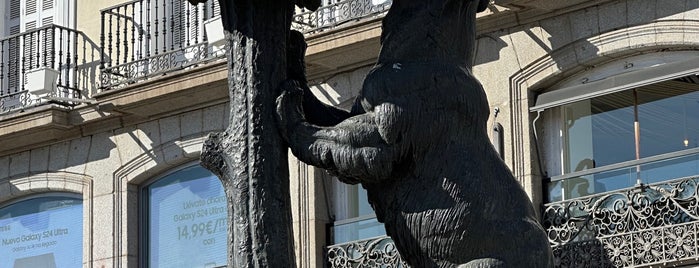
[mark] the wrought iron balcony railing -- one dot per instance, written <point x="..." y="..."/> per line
<point x="338" y="13"/>
<point x="63" y="56"/>
<point x="369" y="253"/>
<point x="646" y="225"/>
<point x="146" y="38"/>
<point x="141" y="39"/>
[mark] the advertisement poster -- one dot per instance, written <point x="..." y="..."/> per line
<point x="187" y="224"/>
<point x="42" y="232"/>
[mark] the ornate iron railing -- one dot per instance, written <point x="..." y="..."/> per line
<point x="338" y="13"/>
<point x="641" y="226"/>
<point x="146" y="38"/>
<point x="142" y="39"/>
<point x="375" y="252"/>
<point x="52" y="48"/>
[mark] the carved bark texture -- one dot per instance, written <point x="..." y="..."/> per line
<point x="417" y="141"/>
<point x="249" y="157"/>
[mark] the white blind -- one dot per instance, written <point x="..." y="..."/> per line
<point x="14" y="9"/>
<point x="31" y="7"/>
<point x="47" y="4"/>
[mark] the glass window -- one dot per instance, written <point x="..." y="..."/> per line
<point x="355" y="218"/>
<point x="45" y="231"/>
<point x="652" y="121"/>
<point x="186" y="214"/>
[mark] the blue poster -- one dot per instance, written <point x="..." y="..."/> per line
<point x="187" y="220"/>
<point x="42" y="232"/>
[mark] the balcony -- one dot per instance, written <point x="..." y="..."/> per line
<point x="144" y="39"/>
<point x="147" y="38"/>
<point x="367" y="253"/>
<point x="646" y="225"/>
<point x="337" y="14"/>
<point x="65" y="58"/>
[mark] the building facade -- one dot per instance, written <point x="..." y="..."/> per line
<point x="104" y="107"/>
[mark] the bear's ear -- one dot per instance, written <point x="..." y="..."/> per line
<point x="482" y="5"/>
<point x="308" y="4"/>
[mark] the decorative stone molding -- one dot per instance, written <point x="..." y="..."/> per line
<point x="27" y="184"/>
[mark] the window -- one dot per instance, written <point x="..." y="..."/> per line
<point x="43" y="231"/>
<point x="643" y="135"/>
<point x="185" y="215"/>
<point x="355" y="218"/>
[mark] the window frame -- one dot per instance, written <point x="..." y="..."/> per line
<point x="39" y="195"/>
<point x="143" y="211"/>
<point x="652" y="69"/>
<point x="561" y="158"/>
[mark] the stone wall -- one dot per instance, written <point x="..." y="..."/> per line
<point x="515" y="61"/>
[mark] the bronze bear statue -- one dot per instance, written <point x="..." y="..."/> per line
<point x="416" y="140"/>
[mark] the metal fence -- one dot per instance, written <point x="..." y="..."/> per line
<point x="369" y="253"/>
<point x="338" y="13"/>
<point x="654" y="224"/>
<point x="31" y="55"/>
<point x="145" y="38"/>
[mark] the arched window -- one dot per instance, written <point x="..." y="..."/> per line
<point x="629" y="123"/>
<point x="185" y="214"/>
<point x="43" y="231"/>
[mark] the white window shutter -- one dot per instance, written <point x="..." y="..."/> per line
<point x="38" y="13"/>
<point x="195" y="16"/>
<point x="11" y="84"/>
<point x="14" y="30"/>
<point x="34" y="17"/>
<point x="13" y="13"/>
<point x="30" y="8"/>
<point x="30" y="49"/>
<point x="47" y="4"/>
<point x="189" y="25"/>
<point x="47" y="13"/>
<point x="216" y="9"/>
<point x="47" y="37"/>
<point x="14" y="9"/>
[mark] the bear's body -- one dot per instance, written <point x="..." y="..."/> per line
<point x="416" y="140"/>
<point x="451" y="200"/>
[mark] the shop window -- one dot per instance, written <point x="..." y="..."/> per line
<point x="45" y="231"/>
<point x="185" y="215"/>
<point x="638" y="136"/>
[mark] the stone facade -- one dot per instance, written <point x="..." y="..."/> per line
<point x="107" y="148"/>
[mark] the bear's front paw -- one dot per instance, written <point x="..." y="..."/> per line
<point x="289" y="107"/>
